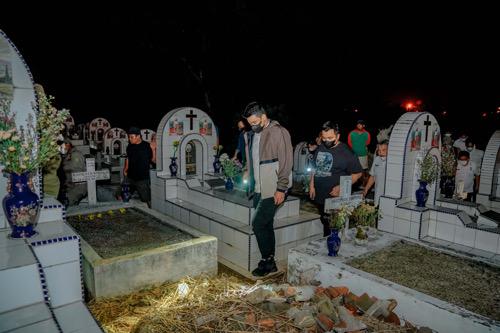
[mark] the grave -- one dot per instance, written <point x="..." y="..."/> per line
<point x="97" y="128"/>
<point x="448" y="226"/>
<point x="300" y="154"/>
<point x="489" y="185"/>
<point x="90" y="176"/>
<point x="127" y="247"/>
<point x="40" y="277"/>
<point x="115" y="142"/>
<point x="198" y="198"/>
<point x="147" y="134"/>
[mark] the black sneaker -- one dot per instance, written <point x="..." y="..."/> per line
<point x="271" y="266"/>
<point x="261" y="269"/>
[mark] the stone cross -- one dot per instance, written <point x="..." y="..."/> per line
<point x="90" y="176"/>
<point x="427" y="123"/>
<point x="344" y="197"/>
<point x="117" y="131"/>
<point x="191" y="117"/>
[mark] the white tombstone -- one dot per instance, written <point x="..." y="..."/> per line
<point x="115" y="142"/>
<point x="414" y="135"/>
<point x="97" y="128"/>
<point x="90" y="176"/>
<point x="300" y="155"/>
<point x="344" y="198"/>
<point x="70" y="126"/>
<point x="16" y="85"/>
<point x="147" y="134"/>
<point x="489" y="184"/>
<point x="186" y="125"/>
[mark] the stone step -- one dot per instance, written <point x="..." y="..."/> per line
<point x="51" y="210"/>
<point x="27" y="317"/>
<point x="76" y="317"/>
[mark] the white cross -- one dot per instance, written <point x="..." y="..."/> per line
<point x="344" y="198"/>
<point x="90" y="176"/>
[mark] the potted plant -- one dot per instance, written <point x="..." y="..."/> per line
<point x="23" y="151"/>
<point x="429" y="172"/>
<point x="230" y="169"/>
<point x="338" y="219"/>
<point x="217" y="164"/>
<point x="364" y="217"/>
<point x="448" y="169"/>
<point x="173" y="164"/>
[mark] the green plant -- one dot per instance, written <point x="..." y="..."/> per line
<point x="176" y="146"/>
<point x="429" y="169"/>
<point x="360" y="233"/>
<point x="339" y="216"/>
<point x="26" y="149"/>
<point x="448" y="162"/>
<point x="365" y="215"/>
<point x="230" y="168"/>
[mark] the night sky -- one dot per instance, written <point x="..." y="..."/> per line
<point x="309" y="64"/>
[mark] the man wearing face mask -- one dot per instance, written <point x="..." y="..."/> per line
<point x="377" y="172"/>
<point x="476" y="155"/>
<point x="270" y="154"/>
<point x="332" y="160"/>
<point x="467" y="175"/>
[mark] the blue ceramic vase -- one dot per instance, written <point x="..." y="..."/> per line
<point x="173" y="166"/>
<point x="421" y="194"/>
<point x="333" y="242"/>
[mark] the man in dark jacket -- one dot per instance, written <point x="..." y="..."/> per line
<point x="136" y="169"/>
<point x="270" y="154"/>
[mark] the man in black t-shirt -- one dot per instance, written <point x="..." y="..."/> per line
<point x="139" y="157"/>
<point x="332" y="159"/>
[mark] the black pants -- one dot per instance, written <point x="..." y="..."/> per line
<point x="262" y="225"/>
<point x="143" y="187"/>
<point x="324" y="218"/>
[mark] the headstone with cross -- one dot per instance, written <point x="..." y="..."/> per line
<point x="427" y="123"/>
<point x="90" y="176"/>
<point x="191" y="117"/>
<point x="345" y="198"/>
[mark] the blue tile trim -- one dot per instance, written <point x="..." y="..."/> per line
<point x="81" y="269"/>
<point x="45" y="289"/>
<point x="55" y="240"/>
<point x="249" y="250"/>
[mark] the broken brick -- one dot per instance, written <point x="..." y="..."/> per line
<point x="266" y="323"/>
<point x="335" y="292"/>
<point x="250" y="319"/>
<point x="325" y="322"/>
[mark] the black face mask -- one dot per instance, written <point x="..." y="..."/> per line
<point x="329" y="144"/>
<point x="257" y="128"/>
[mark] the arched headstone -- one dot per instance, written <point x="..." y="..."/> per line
<point x="300" y="154"/>
<point x="414" y="135"/>
<point x="187" y="126"/>
<point x="115" y="142"/>
<point x="97" y="128"/>
<point x="147" y="134"/>
<point x="489" y="185"/>
<point x="17" y="86"/>
<point x="70" y="127"/>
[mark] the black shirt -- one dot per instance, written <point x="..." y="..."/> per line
<point x="330" y="164"/>
<point x="139" y="157"/>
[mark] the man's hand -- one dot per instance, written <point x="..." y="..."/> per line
<point x="279" y="197"/>
<point x="312" y="192"/>
<point x="335" y="191"/>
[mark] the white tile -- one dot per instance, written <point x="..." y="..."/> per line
<point x="445" y="231"/>
<point x="176" y="212"/>
<point x="486" y="241"/>
<point x="218" y="206"/>
<point x="482" y="253"/>
<point x="433" y="215"/>
<point x="184" y="215"/>
<point x="229" y="210"/>
<point x="290" y="233"/>
<point x="47" y="326"/>
<point x="254" y="246"/>
<point x="194" y="220"/>
<point x="387" y="206"/>
<point x="402" y="227"/>
<point x="58" y="253"/>
<point x="447" y="218"/>
<point x="386" y="223"/>
<point x="242" y="214"/>
<point x="432" y="228"/>
<point x="227" y="235"/>
<point x="281" y="212"/>
<point x="24" y="316"/>
<point x="465" y="236"/>
<point x="20" y="287"/>
<point x="424" y="231"/>
<point x="416" y="216"/>
<point x="170" y="192"/>
<point x="64" y="283"/>
<point x="294" y="208"/>
<point x="204" y="225"/>
<point x="404" y="214"/>
<point x="414" y="230"/>
<point x="15" y="255"/>
<point x="73" y="317"/>
<point x="241" y="241"/>
<point x="215" y="229"/>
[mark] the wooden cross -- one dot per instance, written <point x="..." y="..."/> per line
<point x="90" y="176"/>
<point x="427" y="123"/>
<point x="191" y="115"/>
<point x="146" y="133"/>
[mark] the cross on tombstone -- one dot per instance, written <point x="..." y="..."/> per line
<point x="90" y="176"/>
<point x="146" y="132"/>
<point x="117" y="131"/>
<point x="427" y="123"/>
<point x="99" y="121"/>
<point x="344" y="198"/>
<point x="191" y="117"/>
